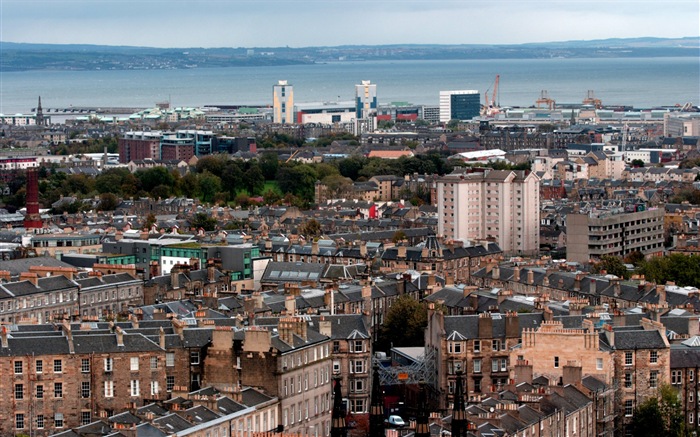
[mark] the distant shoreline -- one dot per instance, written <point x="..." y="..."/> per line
<point x="48" y="57"/>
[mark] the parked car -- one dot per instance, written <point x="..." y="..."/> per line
<point x="395" y="422"/>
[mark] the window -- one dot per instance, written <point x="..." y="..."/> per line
<point x="628" y="380"/>
<point x="85" y="389"/>
<point x="154" y="363"/>
<point x="291" y="415"/>
<point x="19" y="420"/>
<point x="599" y="364"/>
<point x="194" y="357"/>
<point x="134" y="364"/>
<point x="690" y="397"/>
<point x="556" y="362"/>
<point x="629" y="407"/>
<point x="336" y="366"/>
<point x="358" y="346"/>
<point x="455" y="347"/>
<point x="40" y="392"/>
<point x="496" y="344"/>
<point x="109" y="364"/>
<point x="58" y="420"/>
<point x="477" y="346"/>
<point x="85" y="417"/>
<point x="169" y="359"/>
<point x="628" y="358"/>
<point x="154" y="388"/>
<point x="85" y="365"/>
<point x="135" y="391"/>
<point x="357" y="385"/>
<point x="18" y="368"/>
<point x="169" y="383"/>
<point x="357" y="405"/>
<point x="654" y="357"/>
<point x="653" y="379"/>
<point x="357" y="366"/>
<point x="40" y="421"/>
<point x="691" y="375"/>
<point x="477" y="366"/>
<point x="676" y="377"/>
<point x="336" y="346"/>
<point x="58" y="389"/>
<point x="499" y="364"/>
<point x="19" y="391"/>
<point x="57" y="366"/>
<point x="109" y="389"/>
<point x="39" y="366"/>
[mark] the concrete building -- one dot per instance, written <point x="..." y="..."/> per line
<point x="459" y="105"/>
<point x="681" y="124"/>
<point x="617" y="233"/>
<point x="494" y="205"/>
<point x="283" y="103"/>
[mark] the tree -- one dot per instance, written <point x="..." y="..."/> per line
<point x="404" y="325"/>
<point x="660" y="415"/>
<point x="637" y="163"/>
<point x="209" y="185"/>
<point x="312" y="228"/>
<point x="108" y="202"/>
<point x="269" y="164"/>
<point x="684" y="270"/>
<point x="201" y="220"/>
<point x="612" y="265"/>
<point x="254" y="180"/>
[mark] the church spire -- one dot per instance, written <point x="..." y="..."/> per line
<point x="459" y="413"/>
<point x="376" y="409"/>
<point x="338" y="428"/>
<point x="39" y="114"/>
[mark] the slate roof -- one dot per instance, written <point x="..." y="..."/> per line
<point x="627" y="338"/>
<point x="252" y="397"/>
<point x="468" y="325"/>
<point x="17" y="266"/>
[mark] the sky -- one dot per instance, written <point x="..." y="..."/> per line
<point x="303" y="23"/>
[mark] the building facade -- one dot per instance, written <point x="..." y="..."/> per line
<point x="494" y="205"/>
<point x="592" y="235"/>
<point x="365" y="100"/>
<point x="459" y="105"/>
<point x="283" y="103"/>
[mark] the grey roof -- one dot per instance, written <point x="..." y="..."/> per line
<point x="17" y="266"/>
<point x="626" y="339"/>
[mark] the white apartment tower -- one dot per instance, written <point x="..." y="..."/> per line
<point x="283" y="103"/>
<point x="502" y="205"/>
<point x="366" y="99"/>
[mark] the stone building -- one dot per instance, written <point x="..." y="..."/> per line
<point x="292" y="364"/>
<point x="69" y="378"/>
<point x="478" y="345"/>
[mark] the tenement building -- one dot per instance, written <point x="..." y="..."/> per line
<point x="495" y="205"/>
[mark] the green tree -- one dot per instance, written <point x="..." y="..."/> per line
<point x="153" y="177"/>
<point x="232" y="178"/>
<point x="660" y="415"/>
<point x="269" y="164"/>
<point x="398" y="236"/>
<point x="254" y="179"/>
<point x="404" y="325"/>
<point x="298" y="179"/>
<point x="612" y="265"/>
<point x="638" y="163"/>
<point x="108" y="202"/>
<point x="214" y="164"/>
<point x="201" y="220"/>
<point x="684" y="270"/>
<point x="209" y="185"/>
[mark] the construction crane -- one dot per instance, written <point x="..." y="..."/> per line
<point x="545" y="100"/>
<point x="292" y="155"/>
<point x="591" y="100"/>
<point x="491" y="107"/>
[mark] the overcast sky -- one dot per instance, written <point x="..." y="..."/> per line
<point x="300" y="23"/>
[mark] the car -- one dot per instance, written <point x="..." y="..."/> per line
<point x="395" y="421"/>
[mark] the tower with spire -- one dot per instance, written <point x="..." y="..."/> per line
<point x="338" y="428"/>
<point x="376" y="408"/>
<point x="39" y="114"/>
<point x="459" y="412"/>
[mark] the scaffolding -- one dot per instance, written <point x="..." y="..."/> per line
<point x="422" y="370"/>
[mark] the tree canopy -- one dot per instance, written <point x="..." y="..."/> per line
<point x="404" y="325"/>
<point x="683" y="270"/>
<point x="660" y="415"/>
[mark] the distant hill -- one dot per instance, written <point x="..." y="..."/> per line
<point x="24" y="56"/>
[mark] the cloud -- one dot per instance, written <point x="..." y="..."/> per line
<point x="270" y="23"/>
